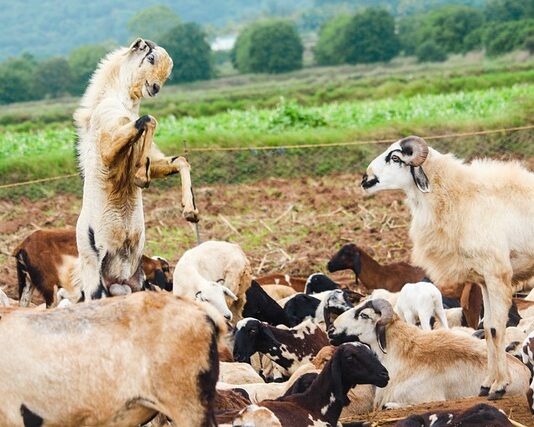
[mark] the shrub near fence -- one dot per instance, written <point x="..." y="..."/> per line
<point x="236" y="165"/>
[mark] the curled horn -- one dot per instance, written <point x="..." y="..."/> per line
<point x="386" y="316"/>
<point x="414" y="150"/>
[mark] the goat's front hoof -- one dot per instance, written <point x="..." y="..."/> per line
<point x="497" y="394"/>
<point x="484" y="391"/>
<point x="192" y="216"/>
<point x="141" y="182"/>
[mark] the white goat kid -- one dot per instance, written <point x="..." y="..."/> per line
<point x="469" y="222"/>
<point x="420" y="301"/>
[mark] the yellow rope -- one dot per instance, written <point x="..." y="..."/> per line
<point x="297" y="146"/>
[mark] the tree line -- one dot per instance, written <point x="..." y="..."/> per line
<point x="275" y="46"/>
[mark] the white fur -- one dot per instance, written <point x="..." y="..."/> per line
<point x="420" y="301"/>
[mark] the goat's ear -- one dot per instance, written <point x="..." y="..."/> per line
<point x="381" y="336"/>
<point x="420" y="178"/>
<point x="356" y="263"/>
<point x="138" y="45"/>
<point x="337" y="378"/>
<point x="229" y="293"/>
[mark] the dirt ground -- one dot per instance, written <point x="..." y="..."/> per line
<point x="284" y="225"/>
<point x="292" y="226"/>
<point x="516" y="408"/>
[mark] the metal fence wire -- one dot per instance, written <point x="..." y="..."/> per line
<point x="236" y="165"/>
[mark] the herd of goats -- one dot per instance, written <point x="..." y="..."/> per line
<point x="125" y="341"/>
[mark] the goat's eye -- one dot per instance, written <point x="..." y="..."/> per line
<point x="253" y="332"/>
<point x="364" y="316"/>
<point x="396" y="159"/>
<point x="150" y="58"/>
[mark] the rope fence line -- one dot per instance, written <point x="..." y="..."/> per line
<point x="298" y="146"/>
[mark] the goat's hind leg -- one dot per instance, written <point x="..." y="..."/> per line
<point x="497" y="294"/>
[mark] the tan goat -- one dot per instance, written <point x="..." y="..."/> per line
<point x="117" y="158"/>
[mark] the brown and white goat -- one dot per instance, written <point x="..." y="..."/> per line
<point x="117" y="158"/>
<point x="165" y="363"/>
<point x="424" y="366"/>
<point x="453" y="206"/>
<point x="47" y="259"/>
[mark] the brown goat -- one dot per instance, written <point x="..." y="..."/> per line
<point x="371" y="274"/>
<point x="48" y="258"/>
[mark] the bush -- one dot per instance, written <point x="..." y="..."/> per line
<point x="52" y="78"/>
<point x="330" y="48"/>
<point x="190" y="52"/>
<point x="507" y="36"/>
<point x="529" y="44"/>
<point x="429" y="51"/>
<point x="16" y="79"/>
<point x="370" y="37"/>
<point x="448" y="27"/>
<point x="268" y="47"/>
<point x="83" y="62"/>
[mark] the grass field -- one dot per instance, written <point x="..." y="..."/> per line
<point x="316" y="105"/>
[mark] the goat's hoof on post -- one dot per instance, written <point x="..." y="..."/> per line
<point x="484" y="391"/>
<point x="497" y="394"/>
<point x="142" y="182"/>
<point x="191" y="216"/>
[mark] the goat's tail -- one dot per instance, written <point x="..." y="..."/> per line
<point x="440" y="311"/>
<point x="22" y="260"/>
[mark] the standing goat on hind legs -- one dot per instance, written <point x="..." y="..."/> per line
<point x="469" y="221"/>
<point x="117" y="159"/>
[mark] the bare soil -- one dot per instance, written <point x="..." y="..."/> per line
<point x="284" y="225"/>
<point x="516" y="408"/>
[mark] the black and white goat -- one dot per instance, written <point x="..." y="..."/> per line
<point x="287" y="348"/>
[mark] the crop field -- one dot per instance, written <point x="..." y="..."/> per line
<point x="306" y="107"/>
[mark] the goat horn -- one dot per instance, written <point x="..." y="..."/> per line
<point x="385" y="310"/>
<point x="414" y="149"/>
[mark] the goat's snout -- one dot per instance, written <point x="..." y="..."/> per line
<point x="368" y="182"/>
<point x="382" y="378"/>
<point x="228" y="316"/>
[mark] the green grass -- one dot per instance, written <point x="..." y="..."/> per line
<point x="49" y="152"/>
<point x="310" y="87"/>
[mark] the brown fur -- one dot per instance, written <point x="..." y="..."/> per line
<point x="297" y="283"/>
<point x="49" y="257"/>
<point x="172" y="376"/>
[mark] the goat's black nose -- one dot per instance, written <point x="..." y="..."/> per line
<point x="228" y="316"/>
<point x="156" y="87"/>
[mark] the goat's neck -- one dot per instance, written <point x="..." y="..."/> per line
<point x="371" y="272"/>
<point x="319" y="399"/>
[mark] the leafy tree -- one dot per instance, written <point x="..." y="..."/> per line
<point x="269" y="47"/>
<point x="83" y="62"/>
<point x="16" y="79"/>
<point x="153" y="22"/>
<point x="507" y="36"/>
<point x="509" y="10"/>
<point x="429" y="51"/>
<point x="448" y="27"/>
<point x="330" y="47"/>
<point x="529" y="44"/>
<point x="52" y="77"/>
<point x="190" y="52"/>
<point x="370" y="37"/>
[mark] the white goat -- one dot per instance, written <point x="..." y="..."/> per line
<point x="420" y="301"/>
<point x="423" y="365"/>
<point x="160" y="351"/>
<point x="469" y="222"/>
<point x="212" y="270"/>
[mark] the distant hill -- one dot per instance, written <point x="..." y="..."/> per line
<point x="54" y="27"/>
